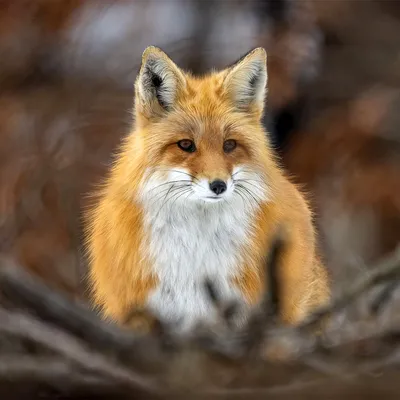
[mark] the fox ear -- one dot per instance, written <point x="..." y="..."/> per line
<point x="157" y="84"/>
<point x="245" y="82"/>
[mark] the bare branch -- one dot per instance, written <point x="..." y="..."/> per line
<point x="384" y="272"/>
<point x="69" y="347"/>
<point x="25" y="327"/>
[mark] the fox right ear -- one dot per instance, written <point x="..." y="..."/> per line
<point x="157" y="84"/>
<point x="245" y="82"/>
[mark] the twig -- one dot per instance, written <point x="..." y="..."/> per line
<point x="25" y="327"/>
<point x="387" y="269"/>
<point x="226" y="311"/>
<point x="268" y="311"/>
<point x="384" y="296"/>
<point x="46" y="369"/>
<point x="24" y="291"/>
<point x="247" y="340"/>
<point x="79" y="339"/>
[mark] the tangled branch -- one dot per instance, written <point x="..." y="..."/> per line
<point x="52" y="346"/>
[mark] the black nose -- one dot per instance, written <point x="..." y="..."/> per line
<point x="218" y="186"/>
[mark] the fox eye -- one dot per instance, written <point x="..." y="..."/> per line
<point x="187" y="145"/>
<point x="229" y="145"/>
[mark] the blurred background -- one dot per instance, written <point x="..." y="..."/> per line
<point x="66" y="92"/>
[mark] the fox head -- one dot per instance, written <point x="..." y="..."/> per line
<point x="200" y="139"/>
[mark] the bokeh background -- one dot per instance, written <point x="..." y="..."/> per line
<point x="67" y="69"/>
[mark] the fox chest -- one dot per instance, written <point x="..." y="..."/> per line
<point x="188" y="247"/>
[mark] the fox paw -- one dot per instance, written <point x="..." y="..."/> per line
<point x="142" y="321"/>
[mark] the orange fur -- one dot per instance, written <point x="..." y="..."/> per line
<point x="205" y="111"/>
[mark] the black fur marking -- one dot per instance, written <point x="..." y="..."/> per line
<point x="157" y="84"/>
<point x="254" y="80"/>
<point x="250" y="90"/>
<point x="154" y="82"/>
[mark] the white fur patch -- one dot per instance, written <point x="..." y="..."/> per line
<point x="191" y="240"/>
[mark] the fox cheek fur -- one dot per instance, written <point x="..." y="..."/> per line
<point x="196" y="192"/>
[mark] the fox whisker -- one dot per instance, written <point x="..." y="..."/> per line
<point x="251" y="196"/>
<point x="179" y="172"/>
<point x="174" y="195"/>
<point x="180" y="194"/>
<point x="247" y="181"/>
<point x="244" y="196"/>
<point x="169" y="183"/>
<point x="157" y="196"/>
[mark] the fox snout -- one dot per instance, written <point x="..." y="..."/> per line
<point x="211" y="189"/>
<point x="218" y="186"/>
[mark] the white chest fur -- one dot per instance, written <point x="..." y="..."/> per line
<point x="188" y="243"/>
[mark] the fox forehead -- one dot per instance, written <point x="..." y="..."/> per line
<point x="202" y="117"/>
<point x="205" y="88"/>
<point x="203" y="100"/>
<point x="200" y="127"/>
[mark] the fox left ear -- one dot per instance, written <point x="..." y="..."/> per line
<point x="157" y="84"/>
<point x="245" y="82"/>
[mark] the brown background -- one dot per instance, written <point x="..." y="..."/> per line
<point x="66" y="76"/>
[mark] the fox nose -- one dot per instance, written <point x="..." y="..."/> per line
<point x="218" y="186"/>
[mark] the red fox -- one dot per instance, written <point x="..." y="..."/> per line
<point x="196" y="193"/>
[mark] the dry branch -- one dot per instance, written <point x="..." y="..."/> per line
<point x="63" y="348"/>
